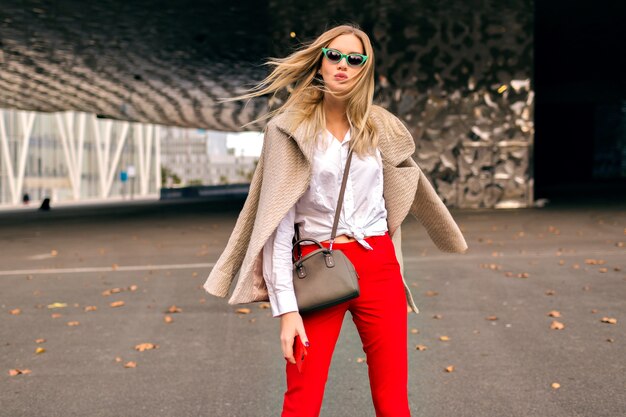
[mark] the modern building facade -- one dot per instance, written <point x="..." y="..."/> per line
<point x="73" y="156"/>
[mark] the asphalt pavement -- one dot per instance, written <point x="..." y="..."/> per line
<point x="534" y="316"/>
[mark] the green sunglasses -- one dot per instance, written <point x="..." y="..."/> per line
<point x="334" y="56"/>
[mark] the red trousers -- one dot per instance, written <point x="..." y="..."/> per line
<point x="380" y="315"/>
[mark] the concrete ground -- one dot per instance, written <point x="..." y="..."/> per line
<point x="493" y="304"/>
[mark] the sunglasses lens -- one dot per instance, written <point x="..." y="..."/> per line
<point x="333" y="56"/>
<point x="355" y="60"/>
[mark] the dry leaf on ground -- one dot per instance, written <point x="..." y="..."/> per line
<point x="609" y="320"/>
<point x="145" y="346"/>
<point x="174" y="309"/>
<point x="14" y="372"/>
<point x="557" y="325"/>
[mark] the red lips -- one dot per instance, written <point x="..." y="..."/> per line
<point x="341" y="76"/>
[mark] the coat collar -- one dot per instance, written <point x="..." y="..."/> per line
<point x="394" y="148"/>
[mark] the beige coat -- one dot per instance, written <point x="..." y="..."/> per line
<point x="283" y="175"/>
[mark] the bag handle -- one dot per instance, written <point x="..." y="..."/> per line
<point x="342" y="191"/>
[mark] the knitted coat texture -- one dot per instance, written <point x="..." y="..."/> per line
<point x="282" y="176"/>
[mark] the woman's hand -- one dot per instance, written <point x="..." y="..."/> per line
<point x="291" y="325"/>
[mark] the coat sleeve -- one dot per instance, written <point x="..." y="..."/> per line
<point x="221" y="276"/>
<point x="428" y="208"/>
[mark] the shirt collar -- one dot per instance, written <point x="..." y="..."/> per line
<point x="393" y="149"/>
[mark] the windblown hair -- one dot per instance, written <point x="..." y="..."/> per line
<point x="297" y="74"/>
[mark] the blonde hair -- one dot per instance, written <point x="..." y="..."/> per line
<point x="297" y="74"/>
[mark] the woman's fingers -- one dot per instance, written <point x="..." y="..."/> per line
<point x="302" y="334"/>
<point x="287" y="346"/>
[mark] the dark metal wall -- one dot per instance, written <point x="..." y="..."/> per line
<point x="457" y="72"/>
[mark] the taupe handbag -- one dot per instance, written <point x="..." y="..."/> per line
<point x="324" y="277"/>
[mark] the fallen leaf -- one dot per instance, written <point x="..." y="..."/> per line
<point x="194" y="274"/>
<point x="444" y="338"/>
<point x="593" y="310"/>
<point x="550" y="292"/>
<point x="168" y="319"/>
<point x="594" y="261"/>
<point x="556" y="385"/>
<point x="117" y="303"/>
<point x="73" y="323"/>
<point x="174" y="309"/>
<point x="252" y="320"/>
<point x="57" y="305"/>
<point x="610" y="340"/>
<point x="264" y="305"/>
<point x="450" y="368"/>
<point x="360" y="360"/>
<point x="554" y="313"/>
<point x="114" y="267"/>
<point x="118" y="359"/>
<point x="561" y="262"/>
<point x="55" y="315"/>
<point x="420" y="347"/>
<point x="603" y="270"/>
<point x="523" y="275"/>
<point x="242" y="311"/>
<point x="609" y="320"/>
<point x="14" y="372"/>
<point x="133" y="287"/>
<point x="90" y="308"/>
<point x="40" y="340"/>
<point x="414" y="331"/>
<point x="40" y="350"/>
<point x="54" y="252"/>
<point x="15" y="311"/>
<point x="557" y="325"/>
<point x="145" y="346"/>
<point x="112" y="291"/>
<point x="130" y="364"/>
<point x="491" y="318"/>
<point x="437" y="316"/>
<point x="431" y="293"/>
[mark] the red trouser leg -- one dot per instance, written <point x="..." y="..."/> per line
<point x="381" y="318"/>
<point x="305" y="390"/>
<point x="380" y="315"/>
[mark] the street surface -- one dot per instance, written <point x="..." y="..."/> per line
<point x="61" y="271"/>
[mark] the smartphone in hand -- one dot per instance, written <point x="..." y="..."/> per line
<point x="299" y="352"/>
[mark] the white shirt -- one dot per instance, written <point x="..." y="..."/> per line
<point x="363" y="213"/>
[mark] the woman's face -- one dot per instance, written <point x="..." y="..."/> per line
<point x="336" y="75"/>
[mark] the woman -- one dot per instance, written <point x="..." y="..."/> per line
<point x="328" y="112"/>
